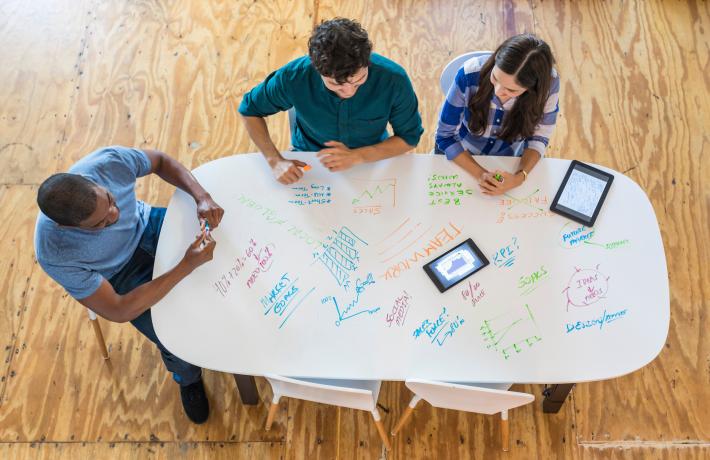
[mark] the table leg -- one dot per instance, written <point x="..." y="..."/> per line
<point x="555" y="396"/>
<point x="247" y="389"/>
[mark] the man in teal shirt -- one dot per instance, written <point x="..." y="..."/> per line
<point x="343" y="95"/>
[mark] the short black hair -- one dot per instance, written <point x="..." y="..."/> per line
<point x="67" y="199"/>
<point x="339" y="48"/>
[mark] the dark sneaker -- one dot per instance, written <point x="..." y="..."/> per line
<point x="194" y="402"/>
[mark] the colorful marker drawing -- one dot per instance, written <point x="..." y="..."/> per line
<point x="314" y="194"/>
<point x="440" y="328"/>
<point x="473" y="291"/>
<point x="261" y="259"/>
<point x="511" y="332"/>
<point x="505" y="256"/>
<point x="341" y="255"/>
<point x="352" y="310"/>
<point x="271" y="216"/>
<point x="528" y="283"/>
<point x="585" y="287"/>
<point x="412" y="242"/>
<point x="601" y="321"/>
<point x="531" y="204"/>
<point x="446" y="190"/>
<point x="281" y="297"/>
<point x="572" y="235"/>
<point x="527" y="200"/>
<point x="399" y="310"/>
<point x="611" y="245"/>
<point x="376" y="194"/>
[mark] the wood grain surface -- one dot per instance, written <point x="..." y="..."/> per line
<point x="80" y="74"/>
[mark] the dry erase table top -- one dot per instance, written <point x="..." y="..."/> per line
<point x="324" y="278"/>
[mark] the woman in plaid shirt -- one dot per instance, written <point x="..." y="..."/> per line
<point x="503" y="103"/>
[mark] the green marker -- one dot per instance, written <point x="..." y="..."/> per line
<point x="498" y="177"/>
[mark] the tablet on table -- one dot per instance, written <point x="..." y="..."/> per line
<point x="582" y="193"/>
<point x="455" y="265"/>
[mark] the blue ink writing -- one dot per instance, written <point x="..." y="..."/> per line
<point x="341" y="255"/>
<point x="438" y="329"/>
<point x="505" y="256"/>
<point x="605" y="318"/>
<point x="313" y="195"/>
<point x="281" y="297"/>
<point x="351" y="311"/>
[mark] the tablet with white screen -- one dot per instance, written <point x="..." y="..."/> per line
<point x="582" y="193"/>
<point x="455" y="265"/>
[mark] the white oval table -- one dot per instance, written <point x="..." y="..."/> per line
<point x="324" y="279"/>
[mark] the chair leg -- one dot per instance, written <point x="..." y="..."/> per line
<point x="381" y="428"/>
<point x="272" y="412"/>
<point x="407" y="413"/>
<point x="99" y="334"/>
<point x="505" y="431"/>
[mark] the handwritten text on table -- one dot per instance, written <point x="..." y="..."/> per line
<point x="439" y="328"/>
<point x="586" y="286"/>
<point x="446" y="190"/>
<point x="315" y="194"/>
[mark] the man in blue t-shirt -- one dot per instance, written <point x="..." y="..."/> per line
<point x="98" y="241"/>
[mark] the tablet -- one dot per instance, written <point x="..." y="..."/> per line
<point x="582" y="193"/>
<point x="455" y="265"/>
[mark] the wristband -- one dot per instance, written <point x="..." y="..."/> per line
<point x="525" y="174"/>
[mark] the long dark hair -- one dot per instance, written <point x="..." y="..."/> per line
<point x="530" y="61"/>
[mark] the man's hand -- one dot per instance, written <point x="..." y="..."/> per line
<point x="200" y="251"/>
<point x="338" y="157"/>
<point x="498" y="182"/>
<point x="287" y="171"/>
<point x="208" y="210"/>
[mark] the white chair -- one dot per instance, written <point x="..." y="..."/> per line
<point x="354" y="394"/>
<point x="480" y="398"/>
<point x="99" y="334"/>
<point x="449" y="72"/>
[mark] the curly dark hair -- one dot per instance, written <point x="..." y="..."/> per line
<point x="67" y="199"/>
<point x="339" y="48"/>
<point x="530" y="61"/>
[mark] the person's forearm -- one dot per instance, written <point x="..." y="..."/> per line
<point x="466" y="161"/>
<point x="259" y="134"/>
<point x="140" y="299"/>
<point x="390" y="147"/>
<point x="529" y="160"/>
<point x="174" y="173"/>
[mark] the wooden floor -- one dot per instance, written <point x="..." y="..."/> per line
<point x="79" y="74"/>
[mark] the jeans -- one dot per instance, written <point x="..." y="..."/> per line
<point x="139" y="270"/>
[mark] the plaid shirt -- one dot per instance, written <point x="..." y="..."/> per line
<point x="453" y="136"/>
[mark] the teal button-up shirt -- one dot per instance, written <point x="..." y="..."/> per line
<point x="321" y="116"/>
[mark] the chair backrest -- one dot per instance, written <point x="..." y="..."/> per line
<point x="291" y="119"/>
<point x="354" y="394"/>
<point x="449" y="72"/>
<point x="466" y="397"/>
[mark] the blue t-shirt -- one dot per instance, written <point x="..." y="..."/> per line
<point x="79" y="259"/>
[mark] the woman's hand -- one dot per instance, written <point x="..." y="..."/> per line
<point x="499" y="182"/>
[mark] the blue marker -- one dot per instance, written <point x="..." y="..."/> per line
<point x="207" y="233"/>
